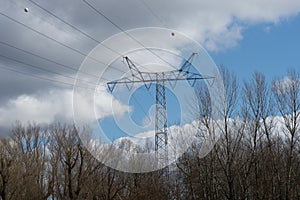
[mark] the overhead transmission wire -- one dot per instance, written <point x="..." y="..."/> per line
<point x="47" y="59"/>
<point x="34" y="30"/>
<point x="129" y="35"/>
<point x="77" y="29"/>
<point x="43" y="69"/>
<point x="65" y="83"/>
<point x="157" y="17"/>
<point x="80" y="31"/>
<point x="117" y="26"/>
<point x="48" y="37"/>
<point x="92" y="38"/>
<point x="62" y="82"/>
<point x="113" y="23"/>
<point x="58" y="42"/>
<point x="153" y="13"/>
<point x="125" y="32"/>
<point x="28" y="52"/>
<point x="41" y="78"/>
<point x="45" y="78"/>
<point x="87" y="35"/>
<point x="74" y="27"/>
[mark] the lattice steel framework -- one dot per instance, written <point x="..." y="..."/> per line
<point x="161" y="138"/>
<point x="159" y="78"/>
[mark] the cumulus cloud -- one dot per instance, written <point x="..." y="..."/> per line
<point x="41" y="109"/>
<point x="180" y="138"/>
<point x="55" y="105"/>
<point x="285" y="85"/>
<point x="218" y="24"/>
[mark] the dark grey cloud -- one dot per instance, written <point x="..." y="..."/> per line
<point x="12" y="85"/>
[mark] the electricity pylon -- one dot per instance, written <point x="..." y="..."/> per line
<point x="159" y="78"/>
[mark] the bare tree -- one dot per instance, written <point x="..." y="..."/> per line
<point x="66" y="158"/>
<point x="6" y="163"/>
<point x="227" y="149"/>
<point x="30" y="161"/>
<point x="287" y="96"/>
<point x="258" y="109"/>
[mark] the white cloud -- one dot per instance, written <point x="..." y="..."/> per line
<point x="105" y="104"/>
<point x="284" y="85"/>
<point x="55" y="105"/>
<point x="180" y="138"/>
<point x="218" y="24"/>
<point x="41" y="109"/>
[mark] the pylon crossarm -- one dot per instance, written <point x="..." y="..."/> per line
<point x="137" y="76"/>
<point x="111" y="85"/>
<point x="187" y="64"/>
<point x="121" y="81"/>
<point x="133" y="79"/>
<point x="134" y="69"/>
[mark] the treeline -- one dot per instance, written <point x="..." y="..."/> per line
<point x="256" y="157"/>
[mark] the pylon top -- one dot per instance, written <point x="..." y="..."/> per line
<point x="137" y="76"/>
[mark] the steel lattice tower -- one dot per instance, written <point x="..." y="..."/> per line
<point x="161" y="137"/>
<point x="159" y="78"/>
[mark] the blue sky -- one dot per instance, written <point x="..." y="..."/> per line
<point x="143" y="103"/>
<point x="267" y="48"/>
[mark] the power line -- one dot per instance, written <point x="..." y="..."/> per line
<point x="148" y="7"/>
<point x="74" y="27"/>
<point x="124" y="31"/>
<point x="43" y="69"/>
<point x="142" y="109"/>
<point x="39" y="77"/>
<point x="62" y="44"/>
<point x="77" y="29"/>
<point x="65" y="83"/>
<point x="61" y="82"/>
<point x="64" y="21"/>
<point x="47" y="59"/>
<point x="58" y="42"/>
<point x="57" y="81"/>
<point x="71" y="48"/>
<point x="48" y="37"/>
<point x="87" y="35"/>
